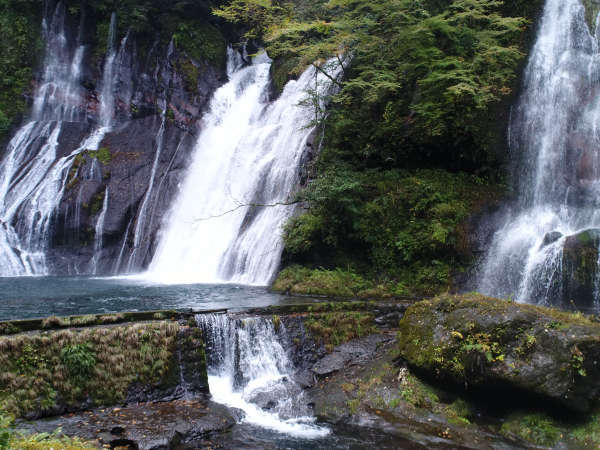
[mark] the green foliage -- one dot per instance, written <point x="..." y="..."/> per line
<point x="103" y="154"/>
<point x="407" y="226"/>
<point x="5" y="423"/>
<point x="21" y="45"/>
<point x="334" y="283"/>
<point x="335" y="328"/>
<point x="201" y="41"/>
<point x="79" y="359"/>
<point x="536" y="428"/>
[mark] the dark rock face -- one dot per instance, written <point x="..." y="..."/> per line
<point x="159" y="102"/>
<point x="164" y="425"/>
<point x="580" y="267"/>
<point x="350" y="353"/>
<point x="492" y="344"/>
<point x="551" y="237"/>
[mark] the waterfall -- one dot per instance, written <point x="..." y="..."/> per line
<point x="249" y="369"/>
<point x="98" y="234"/>
<point x="554" y="138"/>
<point x="33" y="175"/>
<point x="247" y="156"/>
<point x="107" y="104"/>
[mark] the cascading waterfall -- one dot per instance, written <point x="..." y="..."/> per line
<point x="555" y="129"/>
<point x="32" y="176"/>
<point x="249" y="369"/>
<point x="246" y="156"/>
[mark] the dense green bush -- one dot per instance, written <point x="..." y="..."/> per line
<point x="403" y="225"/>
<point x="20" y="48"/>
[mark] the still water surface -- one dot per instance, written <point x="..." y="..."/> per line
<point x="29" y="297"/>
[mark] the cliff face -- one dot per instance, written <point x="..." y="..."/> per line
<point x="140" y="162"/>
<point x="121" y="94"/>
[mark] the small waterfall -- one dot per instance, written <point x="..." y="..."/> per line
<point x="98" y="234"/>
<point x="107" y="104"/>
<point x="249" y="369"/>
<point x="246" y="157"/>
<point x="554" y="137"/>
<point x="59" y="95"/>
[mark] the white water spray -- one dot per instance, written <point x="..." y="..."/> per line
<point x="247" y="156"/>
<point x="249" y="369"/>
<point x="554" y="128"/>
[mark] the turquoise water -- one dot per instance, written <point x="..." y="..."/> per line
<point x="30" y="297"/>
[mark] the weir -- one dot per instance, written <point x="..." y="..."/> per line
<point x="249" y="369"/>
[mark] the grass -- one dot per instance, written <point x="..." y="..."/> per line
<point x="536" y="428"/>
<point x="334" y="328"/>
<point x="333" y="283"/>
<point x="95" y="364"/>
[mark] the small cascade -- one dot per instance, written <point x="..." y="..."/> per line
<point x="107" y="103"/>
<point x="249" y="369"/>
<point x="59" y="95"/>
<point x="98" y="234"/>
<point x="538" y="254"/>
<point x="225" y="225"/>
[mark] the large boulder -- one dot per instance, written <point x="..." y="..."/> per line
<point x="488" y="343"/>
<point x="580" y="268"/>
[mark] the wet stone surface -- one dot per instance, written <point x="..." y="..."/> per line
<point x="175" y="424"/>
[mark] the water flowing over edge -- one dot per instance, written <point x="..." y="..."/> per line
<point x="247" y="363"/>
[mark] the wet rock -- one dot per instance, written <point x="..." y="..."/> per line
<point x="144" y="426"/>
<point x="580" y="268"/>
<point x="350" y="353"/>
<point x="551" y="238"/>
<point x="369" y="396"/>
<point x="490" y="344"/>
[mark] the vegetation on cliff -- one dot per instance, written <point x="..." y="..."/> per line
<point x="414" y="137"/>
<point x="21" y="46"/>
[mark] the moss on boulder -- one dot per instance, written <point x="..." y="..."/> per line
<point x="580" y="267"/>
<point x="488" y="343"/>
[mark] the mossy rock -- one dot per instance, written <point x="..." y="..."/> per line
<point x="592" y="8"/>
<point x="483" y="342"/>
<point x="580" y="268"/>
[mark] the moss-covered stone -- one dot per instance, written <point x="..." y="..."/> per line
<point x="580" y="267"/>
<point x="54" y="322"/>
<point x="49" y="372"/>
<point x="592" y="8"/>
<point x="479" y="341"/>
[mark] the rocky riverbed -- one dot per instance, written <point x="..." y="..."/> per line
<point x="365" y="378"/>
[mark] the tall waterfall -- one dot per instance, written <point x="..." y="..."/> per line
<point x="249" y="369"/>
<point x="555" y="138"/>
<point x="33" y="174"/>
<point x="246" y="156"/>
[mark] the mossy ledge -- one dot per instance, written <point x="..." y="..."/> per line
<point x="486" y="343"/>
<point x="100" y="363"/>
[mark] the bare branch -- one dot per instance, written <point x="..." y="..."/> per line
<point x="243" y="205"/>
<point x="320" y="69"/>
